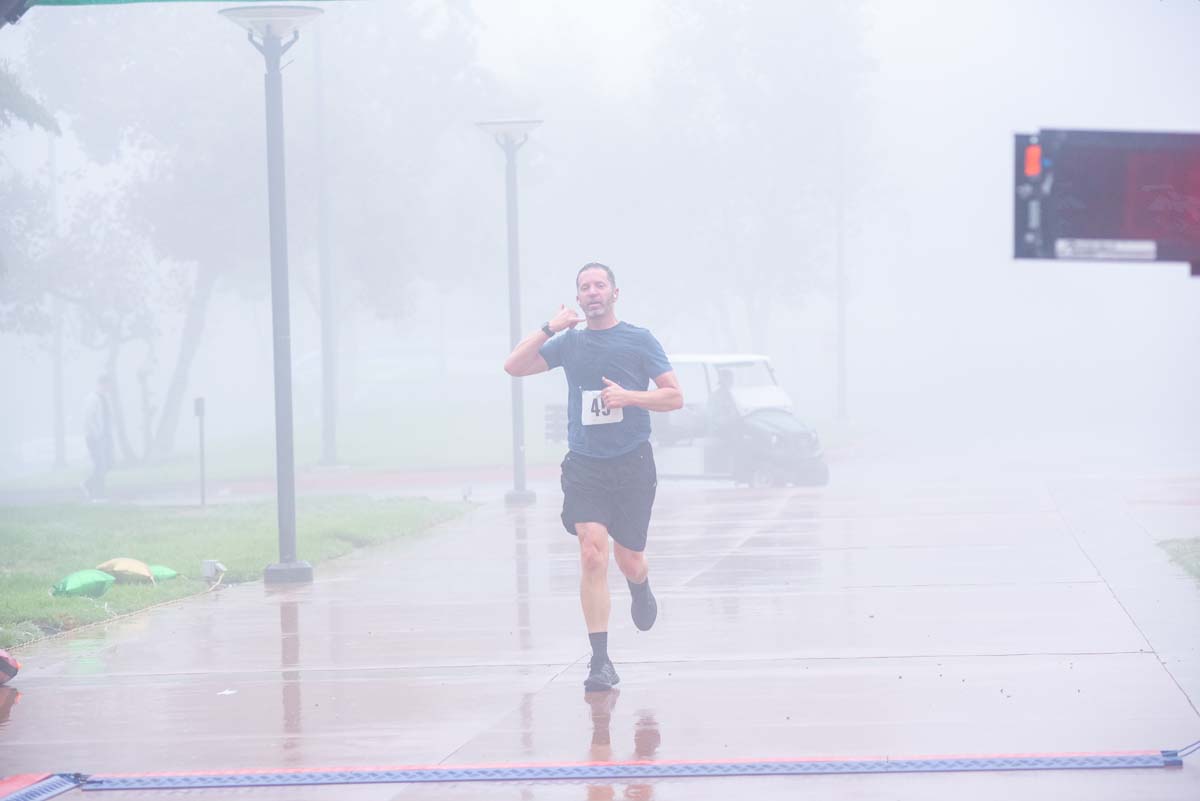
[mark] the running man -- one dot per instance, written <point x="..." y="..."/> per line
<point x="608" y="476"/>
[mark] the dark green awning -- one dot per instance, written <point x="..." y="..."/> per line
<point x="127" y="2"/>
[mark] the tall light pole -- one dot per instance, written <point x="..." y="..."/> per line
<point x="56" y="311"/>
<point x="840" y="265"/>
<point x="273" y="30"/>
<point x="329" y="362"/>
<point x="510" y="135"/>
<point x="840" y="261"/>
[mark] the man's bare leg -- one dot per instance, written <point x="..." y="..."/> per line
<point x="593" y="578"/>
<point x="593" y="595"/>
<point x="632" y="563"/>
<point x="637" y="573"/>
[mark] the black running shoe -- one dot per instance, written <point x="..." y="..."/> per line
<point x="601" y="677"/>
<point x="644" y="608"/>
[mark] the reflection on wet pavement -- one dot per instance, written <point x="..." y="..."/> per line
<point x="793" y="623"/>
<point x="646" y="739"/>
<point x="9" y="696"/>
<point x="289" y="685"/>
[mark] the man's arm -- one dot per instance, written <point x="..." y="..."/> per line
<point x="666" y="398"/>
<point x="526" y="358"/>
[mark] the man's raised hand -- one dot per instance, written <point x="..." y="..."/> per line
<point x="564" y="319"/>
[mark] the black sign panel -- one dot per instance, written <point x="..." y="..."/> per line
<point x="1107" y="195"/>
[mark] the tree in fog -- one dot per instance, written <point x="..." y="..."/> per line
<point x="25" y="207"/>
<point x="201" y="202"/>
<point x="402" y="91"/>
<point x="83" y="267"/>
<point x="17" y="105"/>
<point x="26" y="236"/>
<point x="25" y="242"/>
<point x="118" y="288"/>
<point x="396" y="77"/>
<point x="751" y="101"/>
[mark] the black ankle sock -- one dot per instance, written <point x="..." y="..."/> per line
<point x="638" y="590"/>
<point x="599" y="646"/>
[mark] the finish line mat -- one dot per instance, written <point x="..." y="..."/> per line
<point x="52" y="785"/>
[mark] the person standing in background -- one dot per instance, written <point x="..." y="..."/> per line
<point x="98" y="433"/>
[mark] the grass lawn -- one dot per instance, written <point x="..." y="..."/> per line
<point x="40" y="545"/>
<point x="447" y="437"/>
<point x="1185" y="553"/>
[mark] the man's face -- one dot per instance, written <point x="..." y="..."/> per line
<point x="596" y="294"/>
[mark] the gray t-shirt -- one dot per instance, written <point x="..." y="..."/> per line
<point x="626" y="354"/>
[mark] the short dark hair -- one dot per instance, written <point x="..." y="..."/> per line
<point x="595" y="265"/>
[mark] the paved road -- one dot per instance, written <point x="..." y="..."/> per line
<point x="1001" y="616"/>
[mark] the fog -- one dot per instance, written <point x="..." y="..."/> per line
<point x="726" y="159"/>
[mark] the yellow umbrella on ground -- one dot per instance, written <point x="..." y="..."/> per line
<point x="127" y="570"/>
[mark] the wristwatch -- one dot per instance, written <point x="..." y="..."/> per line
<point x="547" y="330"/>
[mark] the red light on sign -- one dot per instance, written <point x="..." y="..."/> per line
<point x="1033" y="161"/>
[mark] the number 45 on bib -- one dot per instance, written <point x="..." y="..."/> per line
<point x="595" y="413"/>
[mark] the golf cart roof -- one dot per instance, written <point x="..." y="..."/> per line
<point x="718" y="359"/>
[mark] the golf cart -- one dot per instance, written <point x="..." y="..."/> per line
<point x="740" y="421"/>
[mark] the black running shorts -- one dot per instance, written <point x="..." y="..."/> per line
<point x="618" y="492"/>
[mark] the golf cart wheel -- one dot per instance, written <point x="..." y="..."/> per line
<point x="815" y="476"/>
<point x="763" y="477"/>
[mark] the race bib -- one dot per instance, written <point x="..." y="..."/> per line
<point x="595" y="413"/>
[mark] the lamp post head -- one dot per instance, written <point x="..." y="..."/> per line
<point x="509" y="133"/>
<point x="509" y="127"/>
<point x="272" y="22"/>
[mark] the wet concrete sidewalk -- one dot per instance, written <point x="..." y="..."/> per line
<point x="856" y="621"/>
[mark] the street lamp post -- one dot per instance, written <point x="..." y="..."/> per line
<point x="273" y="30"/>
<point x="511" y="135"/>
<point x="329" y="346"/>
